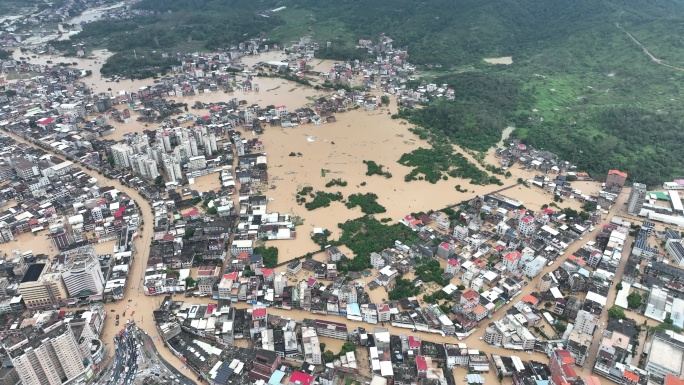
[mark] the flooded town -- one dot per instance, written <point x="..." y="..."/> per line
<point x="257" y="226"/>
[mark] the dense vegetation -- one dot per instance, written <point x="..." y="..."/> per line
<point x="429" y="270"/>
<point x="336" y="182"/>
<point x="403" y="288"/>
<point x="366" y="235"/>
<point x="176" y="25"/>
<point x="376" y="169"/>
<point x="368" y="202"/>
<point x="269" y="254"/>
<point x="485" y="104"/>
<point x="441" y="161"/>
<point x="323" y="199"/>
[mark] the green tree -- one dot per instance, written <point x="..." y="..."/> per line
<point x="619" y="286"/>
<point x="328" y="356"/>
<point x="385" y="99"/>
<point x="269" y="254"/>
<point x="616" y="312"/>
<point x="159" y="181"/>
<point x="634" y="300"/>
<point x="189" y="282"/>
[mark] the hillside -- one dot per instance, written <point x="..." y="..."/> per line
<point x="579" y="85"/>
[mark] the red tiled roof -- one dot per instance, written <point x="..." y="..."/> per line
<point x="259" y="312"/>
<point x="672" y="380"/>
<point x="617" y="172"/>
<point x="302" y="378"/>
<point x="470" y="293"/>
<point x="421" y="364"/>
<point x="414" y="342"/>
<point x="630" y="376"/>
<point x="532" y="300"/>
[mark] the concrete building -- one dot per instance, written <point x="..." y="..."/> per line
<point x="615" y="179"/>
<point x="312" y="347"/>
<point x="42" y="290"/>
<point x="666" y="355"/>
<point x="82" y="275"/>
<point x="53" y="358"/>
<point x="676" y="251"/>
<point x="197" y="163"/>
<point x="586" y="322"/>
<point x="122" y="154"/>
<point x="5" y="233"/>
<point x="144" y="166"/>
<point x="636" y="198"/>
<point x="657" y="302"/>
<point x="24" y="168"/>
<point x="74" y="109"/>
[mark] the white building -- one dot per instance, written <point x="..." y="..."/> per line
<point x="122" y="154"/>
<point x="535" y="266"/>
<point x="197" y="163"/>
<point x="51" y="359"/>
<point x="82" y="275"/>
<point x="586" y="322"/>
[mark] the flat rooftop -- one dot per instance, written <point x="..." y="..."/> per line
<point x="33" y="272"/>
<point x="666" y="355"/>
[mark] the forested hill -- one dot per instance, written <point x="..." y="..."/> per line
<point x="451" y="32"/>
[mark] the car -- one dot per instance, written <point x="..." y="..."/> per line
<point x="113" y="310"/>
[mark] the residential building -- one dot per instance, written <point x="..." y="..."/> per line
<point x="311" y="345"/>
<point x="122" y="154"/>
<point x="676" y="251"/>
<point x="614" y="349"/>
<point x="331" y="329"/>
<point x="535" y="266"/>
<point x="586" y="322"/>
<point x="51" y="359"/>
<point x="511" y="261"/>
<point x="615" y="179"/>
<point x="526" y="226"/>
<point x="636" y="199"/>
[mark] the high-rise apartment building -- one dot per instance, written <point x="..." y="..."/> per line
<point x="52" y="358"/>
<point x="636" y="198"/>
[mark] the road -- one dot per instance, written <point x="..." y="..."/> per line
<point x="149" y="344"/>
<point x="139" y="262"/>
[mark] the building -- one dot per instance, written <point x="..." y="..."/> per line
<point x="526" y="225"/>
<point x="666" y="355"/>
<point x="197" y="163"/>
<point x="676" y="251"/>
<point x="122" y="154"/>
<point x="9" y="376"/>
<point x="656" y="305"/>
<point x="74" y="109"/>
<point x="636" y="198"/>
<point x="24" y="168"/>
<point x="144" y="166"/>
<point x="616" y="179"/>
<point x="41" y="290"/>
<point x="83" y="276"/>
<point x="331" y="329"/>
<point x="52" y="358"/>
<point x="311" y="345"/>
<point x="586" y="322"/>
<point x="6" y="234"/>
